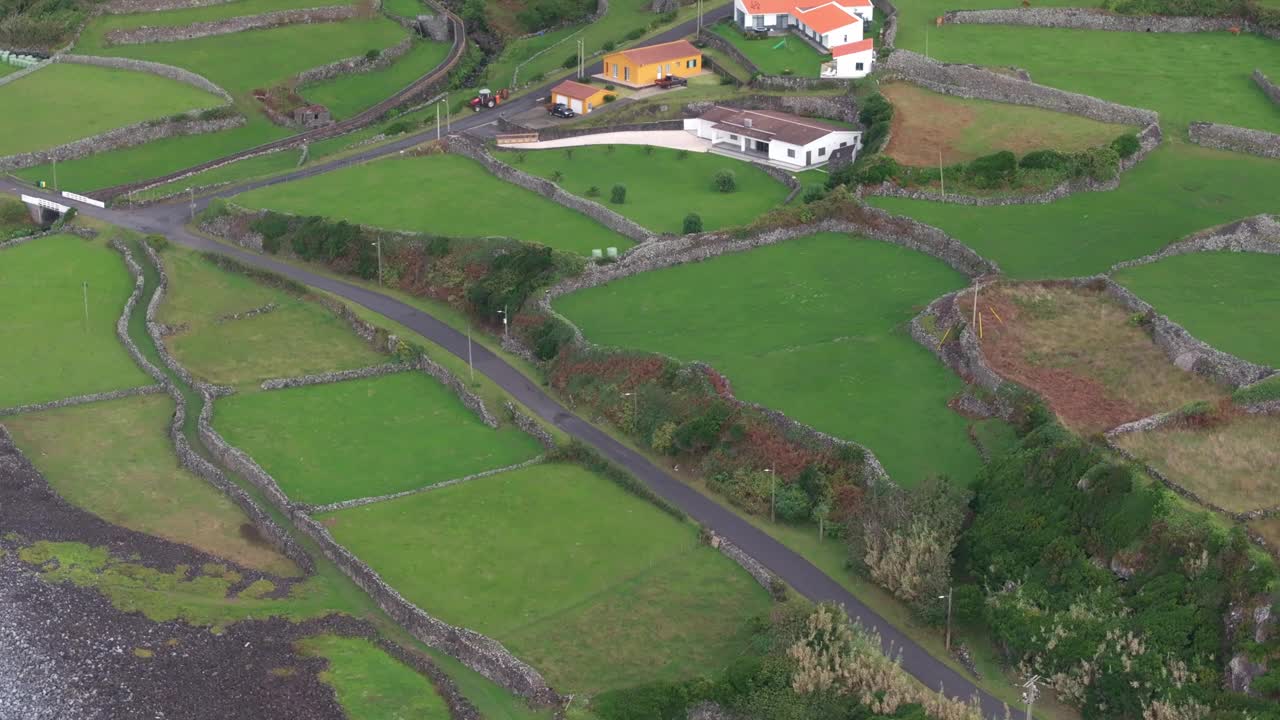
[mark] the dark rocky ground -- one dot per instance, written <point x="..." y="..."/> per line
<point x="67" y="653"/>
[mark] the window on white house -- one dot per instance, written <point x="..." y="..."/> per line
<point x="842" y="143"/>
<point x="791" y="153"/>
<point x="822" y="151"/>
<point x="858" y="66"/>
<point x="759" y="21"/>
<point x="733" y="137"/>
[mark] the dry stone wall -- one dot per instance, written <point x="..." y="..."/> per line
<point x="175" y="33"/>
<point x="1269" y="88"/>
<point x="82" y="399"/>
<point x="333" y="377"/>
<point x="359" y="502"/>
<point x="188" y="458"/>
<point x="355" y="65"/>
<point x="1185" y="350"/>
<point x="835" y="107"/>
<point x="753" y="567"/>
<point x="128" y="136"/>
<point x="1258" y="234"/>
<point x="467" y="147"/>
<point x="21" y="73"/>
<point x="971" y="81"/>
<point x="127" y="7"/>
<point x="146" y="66"/>
<point x="1095" y="19"/>
<point x="530" y="427"/>
<point x="1235" y="139"/>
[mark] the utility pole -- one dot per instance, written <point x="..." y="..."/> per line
<point x="470" y="366"/>
<point x="699" y="17"/>
<point x="379" y="246"/>
<point x="942" y="178"/>
<point x="437" y="121"/>
<point x="85" y="287"/>
<point x="773" y="494"/>
<point x="582" y="51"/>
<point x="55" y="174"/>
<point x="1030" y="693"/>
<point x="504" y="322"/>
<point x="974" y="322"/>
<point x="192" y="195"/>
<point x="947" y="597"/>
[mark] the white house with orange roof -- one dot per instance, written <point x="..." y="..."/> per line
<point x="833" y="25"/>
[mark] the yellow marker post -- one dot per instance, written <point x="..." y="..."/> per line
<point x="980" y="325"/>
<point x="944" y="336"/>
<point x="993" y="312"/>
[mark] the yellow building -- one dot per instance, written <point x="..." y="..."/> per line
<point x="644" y="66"/>
<point x="581" y="98"/>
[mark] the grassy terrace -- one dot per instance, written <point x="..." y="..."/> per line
<point x="812" y="327"/>
<point x="167" y="18"/>
<point x="65" y="102"/>
<point x="239" y="62"/>
<point x="1079" y="351"/>
<point x="928" y="126"/>
<point x="237" y="171"/>
<point x="442" y="194"/>
<point x="297" y="338"/>
<point x="414" y="432"/>
<point x="662" y="186"/>
<point x="372" y="685"/>
<point x="595" y="588"/>
<point x="1229" y="300"/>
<point x="1234" y="464"/>
<point x="348" y="95"/>
<point x="50" y="350"/>
<point x="115" y="460"/>
<point x="794" y="57"/>
<point x="1175" y="191"/>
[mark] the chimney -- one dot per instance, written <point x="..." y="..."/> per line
<point x="746" y="122"/>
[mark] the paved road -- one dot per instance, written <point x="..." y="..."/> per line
<point x="808" y="580"/>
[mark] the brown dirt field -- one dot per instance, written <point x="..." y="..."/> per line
<point x="916" y="133"/>
<point x="1077" y="349"/>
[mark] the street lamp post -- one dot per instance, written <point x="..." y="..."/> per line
<point x="1030" y="693"/>
<point x="504" y="321"/>
<point x="773" y="494"/>
<point x="379" y="246"/>
<point x="947" y="597"/>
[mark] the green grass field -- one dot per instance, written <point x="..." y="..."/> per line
<point x="1176" y="191"/>
<point x="347" y="95"/>
<point x="372" y="685"/>
<point x="50" y="351"/>
<point x="594" y="587"/>
<point x="1229" y="300"/>
<point x="237" y="171"/>
<point x="239" y="63"/>
<point x="102" y="24"/>
<point x="814" y="328"/>
<point x="407" y="8"/>
<point x="442" y="194"/>
<point x="407" y="431"/>
<point x="65" y="102"/>
<point x="115" y="460"/>
<point x="795" y="57"/>
<point x="298" y="338"/>
<point x="661" y="187"/>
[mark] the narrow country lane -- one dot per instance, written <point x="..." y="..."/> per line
<point x="802" y="575"/>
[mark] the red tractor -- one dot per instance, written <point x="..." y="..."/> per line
<point x="489" y="99"/>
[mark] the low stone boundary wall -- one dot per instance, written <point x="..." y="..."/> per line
<point x="1097" y="19"/>
<point x="963" y="355"/>
<point x="231" y="317"/>
<point x="478" y="652"/>
<point x="187" y="457"/>
<point x="1258" y="234"/>
<point x="333" y="377"/>
<point x="753" y="567"/>
<point x="1185" y="350"/>
<point x="146" y="66"/>
<point x="889" y="25"/>
<point x="467" y="147"/>
<point x="22" y="73"/>
<point x="128" y="136"/>
<point x="128" y="7"/>
<point x="971" y="81"/>
<point x="1149" y="139"/>
<point x="530" y="427"/>
<point x="835" y="107"/>
<point x="358" y="502"/>
<point x="77" y="230"/>
<point x="355" y="65"/>
<point x="1270" y="89"/>
<point x="719" y="44"/>
<point x="83" y="399"/>
<point x="175" y="33"/>
<point x="1235" y="139"/>
<point x="558" y="133"/>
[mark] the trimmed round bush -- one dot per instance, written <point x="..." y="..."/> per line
<point x="618" y="195"/>
<point x="993" y="170"/>
<point x="692" y="223"/>
<point x="726" y="181"/>
<point x="1126" y="145"/>
<point x="1044" y="160"/>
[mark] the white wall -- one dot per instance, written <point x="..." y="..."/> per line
<point x="847" y="65"/>
<point x="778" y="150"/>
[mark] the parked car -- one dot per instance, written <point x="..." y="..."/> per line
<point x="561" y="110"/>
<point x="671" y="81"/>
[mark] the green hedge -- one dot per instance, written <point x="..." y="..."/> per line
<point x="1261" y="391"/>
